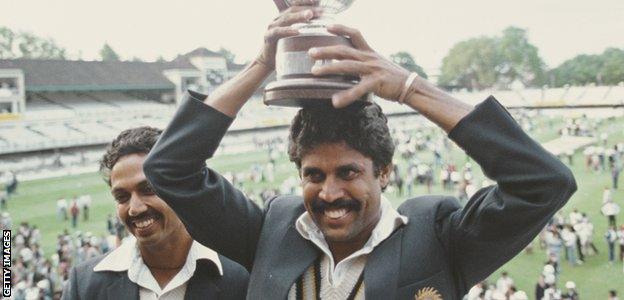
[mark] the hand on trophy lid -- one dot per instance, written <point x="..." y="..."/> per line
<point x="280" y="27"/>
<point x="377" y="74"/>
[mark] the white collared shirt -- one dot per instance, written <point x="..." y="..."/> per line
<point x="128" y="258"/>
<point x="335" y="274"/>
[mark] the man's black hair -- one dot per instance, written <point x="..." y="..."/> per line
<point x="362" y="126"/>
<point x="129" y="141"/>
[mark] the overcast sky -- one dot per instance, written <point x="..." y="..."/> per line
<point x="426" y="29"/>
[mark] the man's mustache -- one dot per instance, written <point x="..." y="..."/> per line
<point x="319" y="206"/>
<point x="144" y="215"/>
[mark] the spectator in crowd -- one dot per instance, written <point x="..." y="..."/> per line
<point x="620" y="235"/>
<point x="575" y="217"/>
<point x="540" y="287"/>
<point x="5" y="221"/>
<point x="606" y="195"/>
<point x="493" y="293"/>
<point x="477" y="292"/>
<point x="11" y="186"/>
<point x="120" y="231"/>
<point x="611" y="237"/>
<point x="571" y="292"/>
<point x="504" y="283"/>
<point x="4" y="199"/>
<point x="552" y="292"/>
<point x="515" y="294"/>
<point x="110" y="224"/>
<point x="74" y="211"/>
<point x="61" y="209"/>
<point x="569" y="241"/>
<point x="616" y="168"/>
<point x="554" y="244"/>
<point x="585" y="233"/>
<point x="610" y="209"/>
<point x="85" y="204"/>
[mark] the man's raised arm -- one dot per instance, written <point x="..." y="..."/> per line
<point x="498" y="221"/>
<point x="214" y="212"/>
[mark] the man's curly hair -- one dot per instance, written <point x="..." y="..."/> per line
<point x="129" y="141"/>
<point x="362" y="126"/>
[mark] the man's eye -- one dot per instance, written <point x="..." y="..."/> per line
<point x="314" y="177"/>
<point x="147" y="191"/>
<point x="348" y="174"/>
<point x="121" y="198"/>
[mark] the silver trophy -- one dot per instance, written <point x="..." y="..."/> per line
<point x="295" y="84"/>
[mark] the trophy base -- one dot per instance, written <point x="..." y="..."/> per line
<point x="305" y="92"/>
<point x="295" y="84"/>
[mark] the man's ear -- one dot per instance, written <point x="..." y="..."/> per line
<point x="384" y="175"/>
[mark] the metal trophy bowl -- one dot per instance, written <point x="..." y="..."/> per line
<point x="295" y="84"/>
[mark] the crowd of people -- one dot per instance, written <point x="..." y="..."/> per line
<point x="40" y="275"/>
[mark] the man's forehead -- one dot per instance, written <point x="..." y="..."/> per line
<point x="334" y="155"/>
<point x="128" y="171"/>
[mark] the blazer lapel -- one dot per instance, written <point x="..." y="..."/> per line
<point x="295" y="255"/>
<point x="382" y="268"/>
<point x="202" y="285"/>
<point x="123" y="288"/>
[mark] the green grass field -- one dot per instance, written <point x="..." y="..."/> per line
<point x="36" y="204"/>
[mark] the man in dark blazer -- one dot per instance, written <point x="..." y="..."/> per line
<point x="342" y="240"/>
<point x="161" y="261"/>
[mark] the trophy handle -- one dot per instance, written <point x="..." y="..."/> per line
<point x="281" y="5"/>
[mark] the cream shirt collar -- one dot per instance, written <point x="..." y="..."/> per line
<point x="127" y="256"/>
<point x="389" y="221"/>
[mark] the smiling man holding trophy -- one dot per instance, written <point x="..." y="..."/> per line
<point x="342" y="239"/>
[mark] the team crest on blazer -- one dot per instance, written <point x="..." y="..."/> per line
<point x="428" y="293"/>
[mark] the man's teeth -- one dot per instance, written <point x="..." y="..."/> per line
<point x="144" y="223"/>
<point x="336" y="213"/>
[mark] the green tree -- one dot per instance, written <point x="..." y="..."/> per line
<point x="406" y="60"/>
<point x="27" y="45"/>
<point x="7" y="36"/>
<point x="486" y="62"/>
<point x="471" y="64"/>
<point x="520" y="59"/>
<point x="612" y="71"/>
<point x="603" y="69"/>
<point x="580" y="70"/>
<point x="108" y="54"/>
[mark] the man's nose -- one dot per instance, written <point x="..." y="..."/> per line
<point x="137" y="206"/>
<point x="332" y="190"/>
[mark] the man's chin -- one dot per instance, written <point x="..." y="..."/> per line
<point x="146" y="241"/>
<point x="336" y="236"/>
<point x="151" y="237"/>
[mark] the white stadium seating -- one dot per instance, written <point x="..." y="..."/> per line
<point x="73" y="121"/>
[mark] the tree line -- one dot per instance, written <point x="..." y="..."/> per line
<point x="474" y="64"/>
<point x="500" y="61"/>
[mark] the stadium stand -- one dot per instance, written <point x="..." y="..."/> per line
<point x="63" y="113"/>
